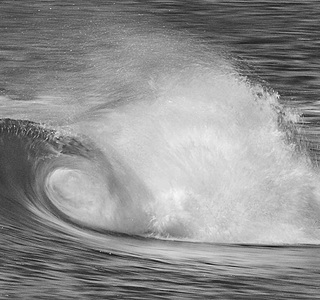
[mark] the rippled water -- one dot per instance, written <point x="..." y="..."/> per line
<point x="179" y="155"/>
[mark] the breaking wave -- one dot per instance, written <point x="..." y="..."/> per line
<point x="208" y="158"/>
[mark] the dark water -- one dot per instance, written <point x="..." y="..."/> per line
<point x="177" y="155"/>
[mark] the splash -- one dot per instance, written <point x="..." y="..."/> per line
<point x="210" y="151"/>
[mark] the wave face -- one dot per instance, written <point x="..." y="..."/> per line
<point x="61" y="177"/>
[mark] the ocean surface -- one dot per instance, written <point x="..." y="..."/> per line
<point x="159" y="149"/>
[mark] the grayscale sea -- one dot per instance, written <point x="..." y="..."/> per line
<point x="159" y="149"/>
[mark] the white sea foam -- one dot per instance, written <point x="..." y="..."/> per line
<point x="209" y="150"/>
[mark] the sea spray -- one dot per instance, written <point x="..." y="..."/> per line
<point x="209" y="149"/>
